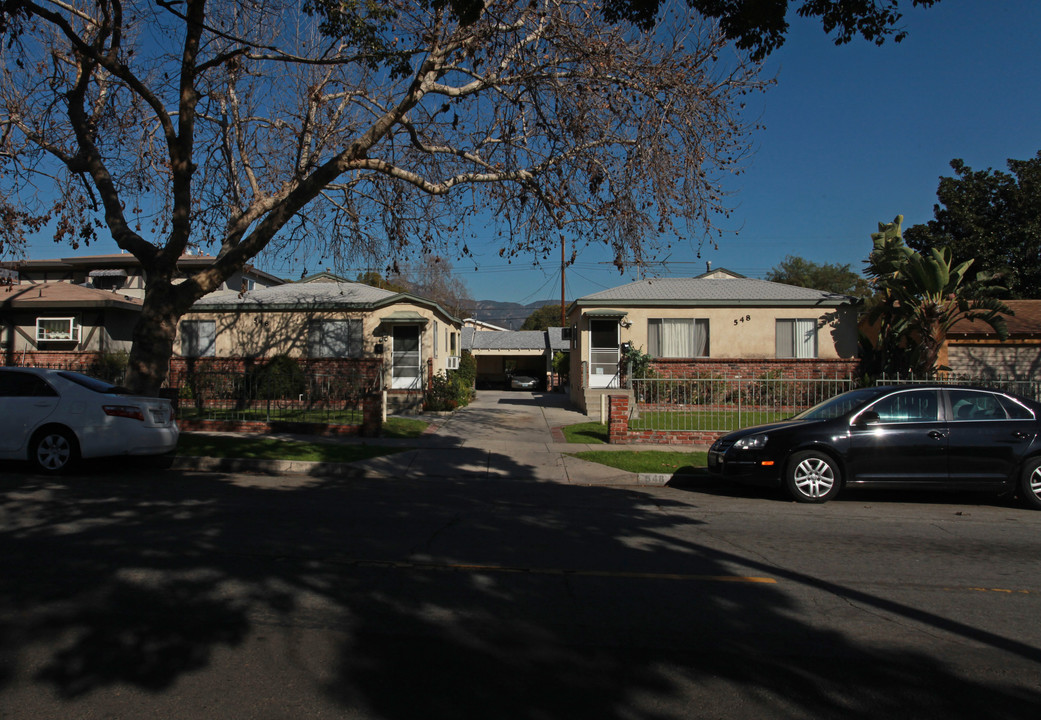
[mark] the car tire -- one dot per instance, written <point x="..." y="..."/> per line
<point x="53" y="450"/>
<point x="812" y="476"/>
<point x="1030" y="483"/>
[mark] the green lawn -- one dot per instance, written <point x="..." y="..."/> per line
<point x="647" y="461"/>
<point x="399" y="427"/>
<point x="594" y="433"/>
<point x="263" y="448"/>
<point x="590" y="433"/>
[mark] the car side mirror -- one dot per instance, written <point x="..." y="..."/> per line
<point x="867" y="418"/>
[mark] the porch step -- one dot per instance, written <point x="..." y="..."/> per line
<point x="404" y="403"/>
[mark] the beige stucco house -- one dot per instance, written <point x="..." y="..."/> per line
<point x="717" y="323"/>
<point x="327" y="319"/>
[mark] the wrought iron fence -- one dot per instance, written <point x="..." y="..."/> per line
<point x="271" y="396"/>
<point x="721" y="403"/>
<point x="111" y="367"/>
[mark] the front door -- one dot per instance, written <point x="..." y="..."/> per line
<point x="603" y="353"/>
<point x="405" y="372"/>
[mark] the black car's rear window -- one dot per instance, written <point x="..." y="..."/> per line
<point x="91" y="383"/>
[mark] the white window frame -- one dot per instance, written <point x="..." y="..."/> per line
<point x="70" y="332"/>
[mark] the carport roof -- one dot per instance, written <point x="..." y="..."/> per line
<point x="509" y="340"/>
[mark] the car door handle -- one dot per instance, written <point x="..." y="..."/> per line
<point x="937" y="435"/>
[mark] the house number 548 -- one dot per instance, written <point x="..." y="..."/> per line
<point x="746" y="318"/>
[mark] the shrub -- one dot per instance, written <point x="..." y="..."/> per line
<point x="448" y="391"/>
<point x="280" y="377"/>
<point x="467" y="368"/>
<point x="110" y="366"/>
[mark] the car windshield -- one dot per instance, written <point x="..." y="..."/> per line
<point x="99" y="386"/>
<point x="840" y="404"/>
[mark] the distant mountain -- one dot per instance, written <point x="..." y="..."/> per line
<point x="509" y="315"/>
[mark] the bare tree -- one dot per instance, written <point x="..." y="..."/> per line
<point x="431" y="276"/>
<point x="358" y="130"/>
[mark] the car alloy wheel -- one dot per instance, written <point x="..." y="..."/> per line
<point x="812" y="477"/>
<point x="53" y="451"/>
<point x="1030" y="483"/>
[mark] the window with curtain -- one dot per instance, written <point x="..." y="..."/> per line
<point x="677" y="337"/>
<point x="198" y="338"/>
<point x="334" y="338"/>
<point x="796" y="338"/>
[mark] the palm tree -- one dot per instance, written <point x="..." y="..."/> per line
<point x="920" y="297"/>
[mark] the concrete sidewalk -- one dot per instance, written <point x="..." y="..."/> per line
<point x="501" y="435"/>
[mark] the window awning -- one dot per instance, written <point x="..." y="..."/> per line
<point x="404" y="317"/>
<point x="605" y="313"/>
<point x="115" y="272"/>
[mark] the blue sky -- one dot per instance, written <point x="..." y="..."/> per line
<point x="853" y="135"/>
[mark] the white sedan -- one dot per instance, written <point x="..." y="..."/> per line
<point x="52" y="418"/>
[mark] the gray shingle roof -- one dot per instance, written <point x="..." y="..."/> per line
<point x="509" y="340"/>
<point x="298" y="295"/>
<point x="730" y="290"/>
<point x="556" y="340"/>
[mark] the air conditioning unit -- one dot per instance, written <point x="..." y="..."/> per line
<point x="453" y="362"/>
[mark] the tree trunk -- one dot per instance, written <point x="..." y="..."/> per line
<point x="154" y="334"/>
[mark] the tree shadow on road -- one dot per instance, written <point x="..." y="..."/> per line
<point x="446" y="598"/>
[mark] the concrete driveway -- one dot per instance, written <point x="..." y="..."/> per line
<point x="502" y="434"/>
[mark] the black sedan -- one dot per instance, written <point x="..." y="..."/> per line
<point x="908" y="437"/>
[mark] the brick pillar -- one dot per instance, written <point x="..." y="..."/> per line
<point x="618" y="418"/>
<point x="372" y="415"/>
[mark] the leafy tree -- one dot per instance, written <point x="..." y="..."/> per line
<point x="992" y="216"/>
<point x="363" y="130"/>
<point x="829" y="277"/>
<point x="543" y="318"/>
<point x="919" y="297"/>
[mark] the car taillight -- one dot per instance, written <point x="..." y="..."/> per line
<point x="128" y="411"/>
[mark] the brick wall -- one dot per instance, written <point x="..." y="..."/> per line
<point x="695" y="367"/>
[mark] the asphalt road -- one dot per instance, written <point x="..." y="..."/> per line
<point x="128" y="593"/>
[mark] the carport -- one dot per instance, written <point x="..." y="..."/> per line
<point x="500" y="354"/>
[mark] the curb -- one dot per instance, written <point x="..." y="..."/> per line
<point x="348" y="470"/>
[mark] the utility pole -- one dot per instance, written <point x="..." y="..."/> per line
<point x="563" y="320"/>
